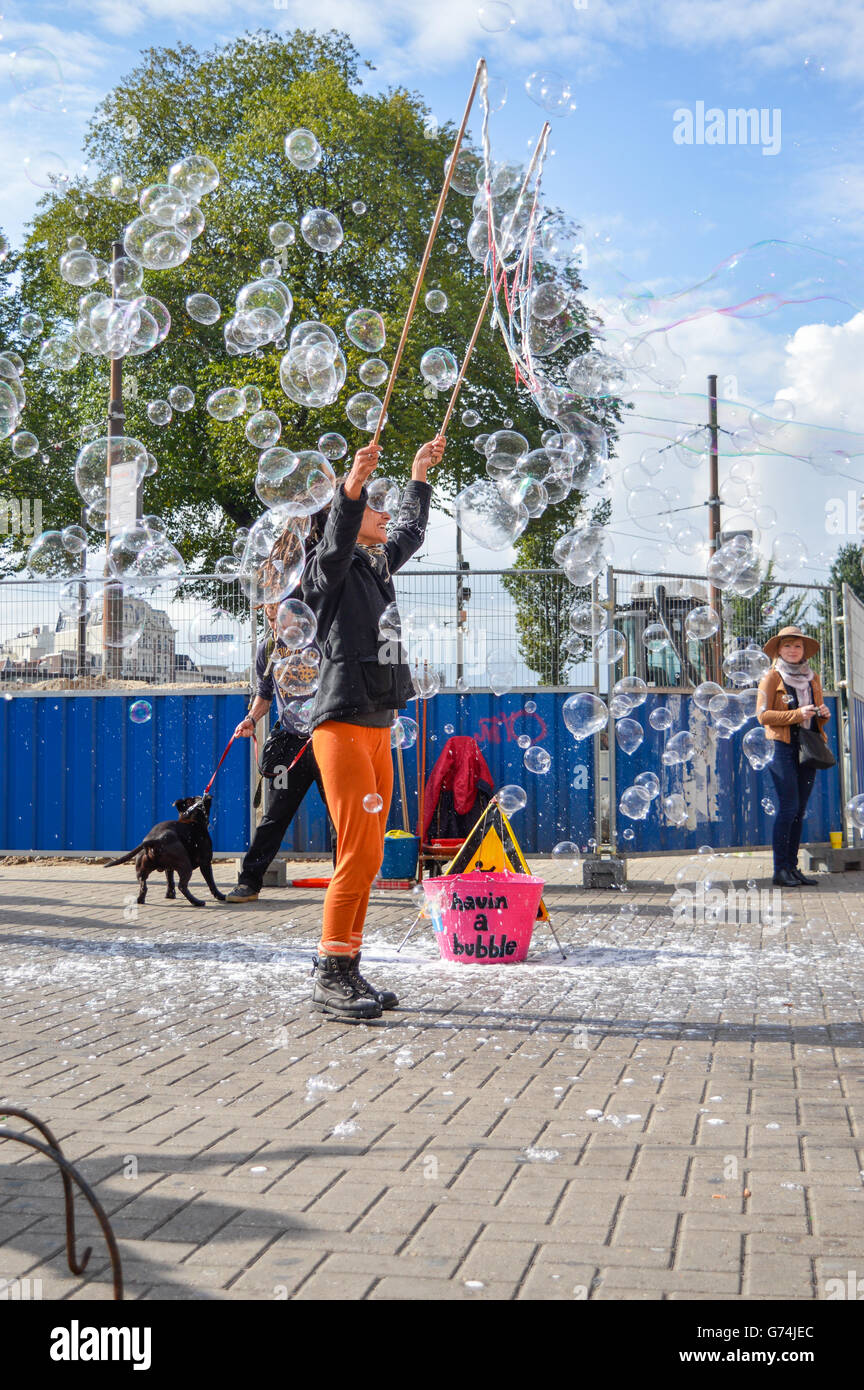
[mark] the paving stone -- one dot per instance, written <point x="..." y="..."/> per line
<point x="463" y="1147"/>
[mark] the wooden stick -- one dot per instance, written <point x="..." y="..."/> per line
<point x="442" y="429"/>
<point x="430" y="241"/>
<point x="400" y="763"/>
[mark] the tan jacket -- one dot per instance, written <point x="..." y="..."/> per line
<point x="775" y="715"/>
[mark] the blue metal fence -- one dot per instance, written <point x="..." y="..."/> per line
<point x="77" y="774"/>
<point x="722" y="791"/>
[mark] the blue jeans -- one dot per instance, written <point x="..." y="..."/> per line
<point x="793" y="785"/>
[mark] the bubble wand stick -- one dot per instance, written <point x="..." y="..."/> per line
<point x="430" y="241"/>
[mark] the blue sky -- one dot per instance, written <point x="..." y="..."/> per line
<point x="670" y="212"/>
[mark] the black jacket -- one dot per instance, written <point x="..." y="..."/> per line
<point x="347" y="596"/>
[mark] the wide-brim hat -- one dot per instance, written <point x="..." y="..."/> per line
<point x="787" y="634"/>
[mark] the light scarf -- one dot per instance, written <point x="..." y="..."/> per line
<point x="799" y="675"/>
<point x="377" y="557"/>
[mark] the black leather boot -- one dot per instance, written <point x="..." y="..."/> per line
<point x="785" y="879"/>
<point x="386" y="998"/>
<point x="335" y="993"/>
<point x="802" y="878"/>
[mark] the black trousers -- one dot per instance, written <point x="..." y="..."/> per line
<point x="283" y="803"/>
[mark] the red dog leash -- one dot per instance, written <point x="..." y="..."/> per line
<point x="222" y="759"/>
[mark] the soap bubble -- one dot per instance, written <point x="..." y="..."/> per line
<point x="789" y="552"/>
<point x="181" y="398"/>
<point x="50" y="558"/>
<point x="706" y="692"/>
<point x="313" y="370"/>
<point x="439" y="367"/>
<point x="466" y="170"/>
<point x="296" y="624"/>
<point x="495" y="16"/>
<point x="373" y="803"/>
<point x="333" y="446"/>
<point x="609" y="646"/>
<point x="585" y="714"/>
<point x="635" y="803"/>
<point x="436" y="301"/>
<point x="634" y="688"/>
<point x="488" y="518"/>
<point x="566" y="849"/>
<point x="680" y="749"/>
<point x="701" y="623"/>
<point x="298" y="673"/>
<point x="263" y="429"/>
<point x="31" y="325"/>
<point x="660" y="718"/>
<point x="321" y="230"/>
<point x="365" y="328"/>
<point x="629" y="734"/>
<point x="78" y="268"/>
<point x="511" y="799"/>
<point x="524" y="741"/>
<point x="470" y="419"/>
<point x="855" y="811"/>
<point x="303" y="149"/>
<point x="37" y="77"/>
<point x="551" y="92"/>
<point x="548" y="299"/>
<point x="506" y="442"/>
<point x="588" y="619"/>
<point x="768" y="806"/>
<point x="91" y="464"/>
<point x="59" y="354"/>
<point x="159" y="412"/>
<point x="675" y="809"/>
<point x="140" y="712"/>
<point x="758" y="748"/>
<point x="309" y="486"/>
<point x="382" y="495"/>
<point x="403" y="733"/>
<point x="203" y="308"/>
<point x="275" y="467"/>
<point x="24" y="444"/>
<point x="650" y="783"/>
<point x="373" y="372"/>
<point x="746" y="666"/>
<point x="154" y="245"/>
<point x="358" y="207"/>
<point x="195" y="176"/>
<point x="226" y="403"/>
<point x="282" y="234"/>
<point x="364" y="411"/>
<point x="655" y="637"/>
<point x="46" y="169"/>
<point x="537" y="760"/>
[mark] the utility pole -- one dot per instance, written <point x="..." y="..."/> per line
<point x="112" y="593"/>
<point x="462" y="594"/>
<point x="714" y="518"/>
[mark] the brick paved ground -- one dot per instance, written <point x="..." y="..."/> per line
<point x="549" y="1131"/>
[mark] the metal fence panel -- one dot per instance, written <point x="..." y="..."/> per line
<point x="853" y="628"/>
<point x="722" y="792"/>
<point x="78" y="775"/>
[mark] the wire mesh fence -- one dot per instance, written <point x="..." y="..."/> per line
<point x="642" y="603"/>
<point x="474" y="628"/>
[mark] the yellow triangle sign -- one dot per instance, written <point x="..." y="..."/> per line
<point x="484" y="850"/>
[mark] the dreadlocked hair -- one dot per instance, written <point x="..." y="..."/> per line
<point x="284" y="547"/>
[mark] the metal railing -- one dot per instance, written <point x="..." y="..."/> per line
<point x="475" y="628"/>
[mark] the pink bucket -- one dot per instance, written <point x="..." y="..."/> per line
<point x="484" y="919"/>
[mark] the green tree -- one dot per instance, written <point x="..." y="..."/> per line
<point x="846" y="569"/>
<point x="235" y="103"/>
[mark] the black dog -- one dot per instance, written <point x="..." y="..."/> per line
<point x="177" y="846"/>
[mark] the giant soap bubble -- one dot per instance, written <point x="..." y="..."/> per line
<point x="488" y="518"/>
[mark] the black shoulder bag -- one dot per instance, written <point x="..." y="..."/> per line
<point x="813" y="751"/>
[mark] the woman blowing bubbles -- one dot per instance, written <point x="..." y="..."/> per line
<point x="348" y="584"/>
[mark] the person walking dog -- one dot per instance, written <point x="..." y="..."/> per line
<point x="790" y="708"/>
<point x="290" y="784"/>
<point x="348" y="584"/>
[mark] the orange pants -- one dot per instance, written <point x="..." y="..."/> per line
<point x="354" y="762"/>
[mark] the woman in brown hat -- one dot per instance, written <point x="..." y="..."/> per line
<point x="790" y="697"/>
